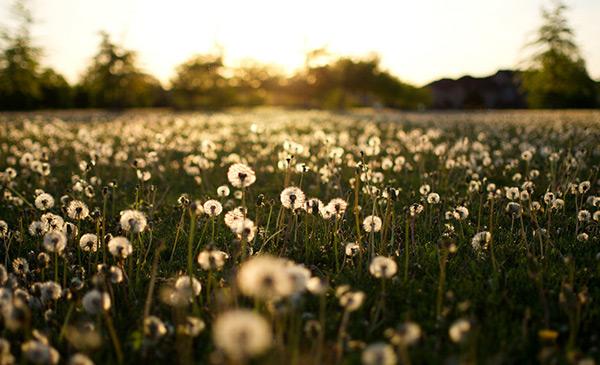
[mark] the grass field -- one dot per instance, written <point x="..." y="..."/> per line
<point x="297" y="237"/>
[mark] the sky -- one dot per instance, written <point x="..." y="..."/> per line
<point x="418" y="41"/>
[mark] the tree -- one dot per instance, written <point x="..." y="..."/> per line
<point x="557" y="76"/>
<point x="23" y="84"/>
<point x="113" y="80"/>
<point x="346" y="82"/>
<point x="19" y="62"/>
<point x="255" y="84"/>
<point x="56" y="91"/>
<point x="200" y="82"/>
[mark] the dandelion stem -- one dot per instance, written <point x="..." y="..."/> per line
<point x="113" y="337"/>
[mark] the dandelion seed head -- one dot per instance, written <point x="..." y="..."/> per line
<point x="120" y="247"/>
<point x="242" y="334"/>
<point x="213" y="208"/>
<point x="44" y="201"/>
<point x="459" y="330"/>
<point x="383" y="267"/>
<point x="77" y="210"/>
<point x="379" y="354"/>
<point x="133" y="221"/>
<point x="292" y="198"/>
<point x="241" y="175"/>
<point x="55" y="241"/>
<point x="95" y="302"/>
<point x="372" y="223"/>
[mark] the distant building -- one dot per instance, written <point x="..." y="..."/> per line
<point x="499" y="91"/>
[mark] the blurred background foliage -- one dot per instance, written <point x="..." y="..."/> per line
<point x="555" y="77"/>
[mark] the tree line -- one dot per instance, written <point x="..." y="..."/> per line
<point x="555" y="77"/>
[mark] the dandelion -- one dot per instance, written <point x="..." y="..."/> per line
<point x="188" y="287"/>
<point x="558" y="204"/>
<point x="351" y="249"/>
<point x="213" y="208"/>
<point x="459" y="330"/>
<point x="383" y="267"/>
<point x="584" y="216"/>
<point x="379" y="354"/>
<point x="52" y="221"/>
<point x="549" y="198"/>
<point x="115" y="274"/>
<point x="212" y="259"/>
<point x="14" y="314"/>
<point x="80" y="359"/>
<point x="154" y="328"/>
<point x="512" y="193"/>
<point x="337" y="207"/>
<point x="424" y="189"/>
<point x="582" y="237"/>
<point x="95" y="302"/>
<point x="40" y="352"/>
<point x="514" y="209"/>
<point x="244" y="229"/>
<point x="120" y="247"/>
<point x="143" y="175"/>
<point x="183" y="200"/>
<point x="317" y="286"/>
<point x="298" y="275"/>
<point x="433" y="198"/>
<point x="89" y="242"/>
<point x="55" y="241"/>
<point x="527" y="155"/>
<point x="407" y="334"/>
<point x="44" y="201"/>
<point x="20" y="266"/>
<point x="461" y="213"/>
<point x="49" y="291"/>
<point x="584" y="187"/>
<point x="352" y="300"/>
<point x="242" y="334"/>
<point x="133" y="221"/>
<point x="223" y="191"/>
<point x="481" y="241"/>
<point x="77" y="210"/>
<point x="415" y="209"/>
<point x="372" y="223"/>
<point x="264" y="277"/>
<point x="292" y="198"/>
<point x="3" y="229"/>
<point x="234" y="216"/>
<point x="474" y="186"/>
<point x="192" y="326"/>
<point x="240" y="175"/>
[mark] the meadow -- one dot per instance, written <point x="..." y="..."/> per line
<point x="300" y="237"/>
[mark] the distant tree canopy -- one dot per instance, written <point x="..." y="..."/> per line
<point x="205" y="82"/>
<point x="557" y="76"/>
<point x="347" y="82"/>
<point x="24" y="84"/>
<point x="200" y="83"/>
<point x="113" y="80"/>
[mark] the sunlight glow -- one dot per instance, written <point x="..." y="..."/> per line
<point x="418" y="41"/>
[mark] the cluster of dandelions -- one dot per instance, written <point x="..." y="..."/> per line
<point x="376" y="207"/>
